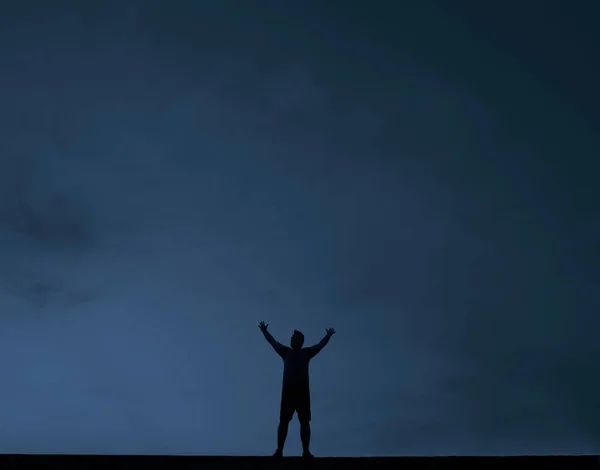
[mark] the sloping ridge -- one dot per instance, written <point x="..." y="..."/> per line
<point x="117" y="462"/>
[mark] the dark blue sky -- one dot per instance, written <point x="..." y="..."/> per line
<point x="419" y="175"/>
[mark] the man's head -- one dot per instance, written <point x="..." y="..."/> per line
<point x="297" y="340"/>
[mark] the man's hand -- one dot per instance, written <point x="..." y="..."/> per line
<point x="263" y="326"/>
<point x="330" y="331"/>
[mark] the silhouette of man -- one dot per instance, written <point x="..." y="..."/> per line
<point x="295" y="393"/>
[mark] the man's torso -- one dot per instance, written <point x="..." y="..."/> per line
<point x="295" y="368"/>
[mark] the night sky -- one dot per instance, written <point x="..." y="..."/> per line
<point x="422" y="176"/>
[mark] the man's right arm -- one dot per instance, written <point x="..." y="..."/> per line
<point x="277" y="346"/>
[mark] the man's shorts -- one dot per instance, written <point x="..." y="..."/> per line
<point x="295" y="399"/>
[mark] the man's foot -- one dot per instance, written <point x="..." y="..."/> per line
<point x="307" y="454"/>
<point x="278" y="453"/>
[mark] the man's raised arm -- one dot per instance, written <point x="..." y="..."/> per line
<point x="314" y="350"/>
<point x="278" y="347"/>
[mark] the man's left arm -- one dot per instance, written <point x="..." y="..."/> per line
<point x="316" y="349"/>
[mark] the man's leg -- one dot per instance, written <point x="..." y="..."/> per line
<point x="282" y="431"/>
<point x="305" y="436"/>
<point x="304" y="417"/>
<point x="286" y="412"/>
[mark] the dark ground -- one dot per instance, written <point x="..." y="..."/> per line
<point x="116" y="462"/>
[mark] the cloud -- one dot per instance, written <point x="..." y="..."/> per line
<point x="155" y="204"/>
